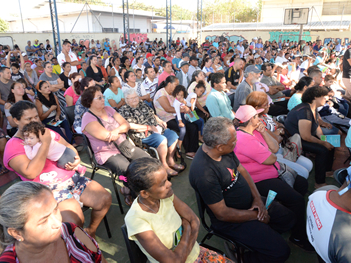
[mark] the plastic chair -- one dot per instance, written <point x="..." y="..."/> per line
<point x="70" y="118"/>
<point x="238" y="248"/>
<point x="107" y="226"/>
<point x="134" y="252"/>
<point x="340" y="175"/>
<point x="95" y="166"/>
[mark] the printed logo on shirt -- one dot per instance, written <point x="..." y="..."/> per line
<point x="234" y="178"/>
<point x="316" y="217"/>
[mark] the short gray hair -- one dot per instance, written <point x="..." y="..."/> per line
<point x="14" y="205"/>
<point x="216" y="131"/>
<point x="129" y="92"/>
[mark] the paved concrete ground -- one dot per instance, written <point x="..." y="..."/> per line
<point x="114" y="248"/>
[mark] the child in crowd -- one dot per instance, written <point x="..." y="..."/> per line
<point x="29" y="90"/>
<point x="331" y="114"/>
<point x="57" y="151"/>
<point x="335" y="96"/>
<point x="139" y="75"/>
<point x="15" y="72"/>
<point x="179" y="94"/>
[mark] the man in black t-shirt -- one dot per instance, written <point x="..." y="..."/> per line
<point x="232" y="74"/>
<point x="346" y="72"/>
<point x="232" y="200"/>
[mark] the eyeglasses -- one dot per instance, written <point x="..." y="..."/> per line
<point x="99" y="98"/>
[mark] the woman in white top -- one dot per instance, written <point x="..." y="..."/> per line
<point x="139" y="65"/>
<point x="206" y="66"/>
<point x="130" y="83"/>
<point x="217" y="66"/>
<point x="115" y="62"/>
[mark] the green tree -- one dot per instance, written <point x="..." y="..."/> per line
<point x="178" y="12"/>
<point x="4" y="26"/>
<point x="219" y="11"/>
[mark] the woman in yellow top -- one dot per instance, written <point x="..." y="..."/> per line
<point x="163" y="226"/>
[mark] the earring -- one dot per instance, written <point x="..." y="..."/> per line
<point x="20" y="239"/>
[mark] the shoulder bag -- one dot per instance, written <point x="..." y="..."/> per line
<point x="125" y="147"/>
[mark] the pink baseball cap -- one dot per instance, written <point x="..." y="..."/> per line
<point x="246" y="112"/>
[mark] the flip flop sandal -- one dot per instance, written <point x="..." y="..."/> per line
<point x="189" y="157"/>
<point x="171" y="173"/>
<point x="177" y="167"/>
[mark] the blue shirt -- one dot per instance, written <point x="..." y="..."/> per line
<point x="294" y="101"/>
<point x="109" y="94"/>
<point x="176" y="61"/>
<point x="106" y="45"/>
<point x="218" y="104"/>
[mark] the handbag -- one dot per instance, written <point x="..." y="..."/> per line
<point x="292" y="148"/>
<point x="125" y="147"/>
<point x="286" y="174"/>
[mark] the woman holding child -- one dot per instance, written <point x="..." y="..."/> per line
<point x="65" y="183"/>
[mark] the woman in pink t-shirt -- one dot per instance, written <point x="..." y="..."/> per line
<point x="70" y="94"/>
<point x="255" y="150"/>
<point x="67" y="186"/>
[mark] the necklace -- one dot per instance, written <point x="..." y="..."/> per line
<point x="147" y="206"/>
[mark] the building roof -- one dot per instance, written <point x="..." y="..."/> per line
<point x="40" y="9"/>
<point x="328" y="25"/>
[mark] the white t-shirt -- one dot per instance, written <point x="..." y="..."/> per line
<point x="61" y="59"/>
<point x="328" y="228"/>
<point x="138" y="87"/>
<point x="189" y="98"/>
<point x="242" y="49"/>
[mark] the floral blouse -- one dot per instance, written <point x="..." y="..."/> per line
<point x="142" y="115"/>
<point x="79" y="111"/>
<point x="161" y="113"/>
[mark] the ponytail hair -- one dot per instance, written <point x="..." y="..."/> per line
<point x="79" y="86"/>
<point x="169" y="79"/>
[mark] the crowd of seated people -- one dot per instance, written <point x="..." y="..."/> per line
<point x="230" y="108"/>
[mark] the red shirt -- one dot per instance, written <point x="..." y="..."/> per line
<point x="103" y="70"/>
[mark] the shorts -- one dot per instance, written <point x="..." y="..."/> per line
<point x="155" y="139"/>
<point x="70" y="188"/>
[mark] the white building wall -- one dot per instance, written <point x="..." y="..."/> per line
<point x="44" y="24"/>
<point x="83" y="25"/>
<point x="273" y="10"/>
